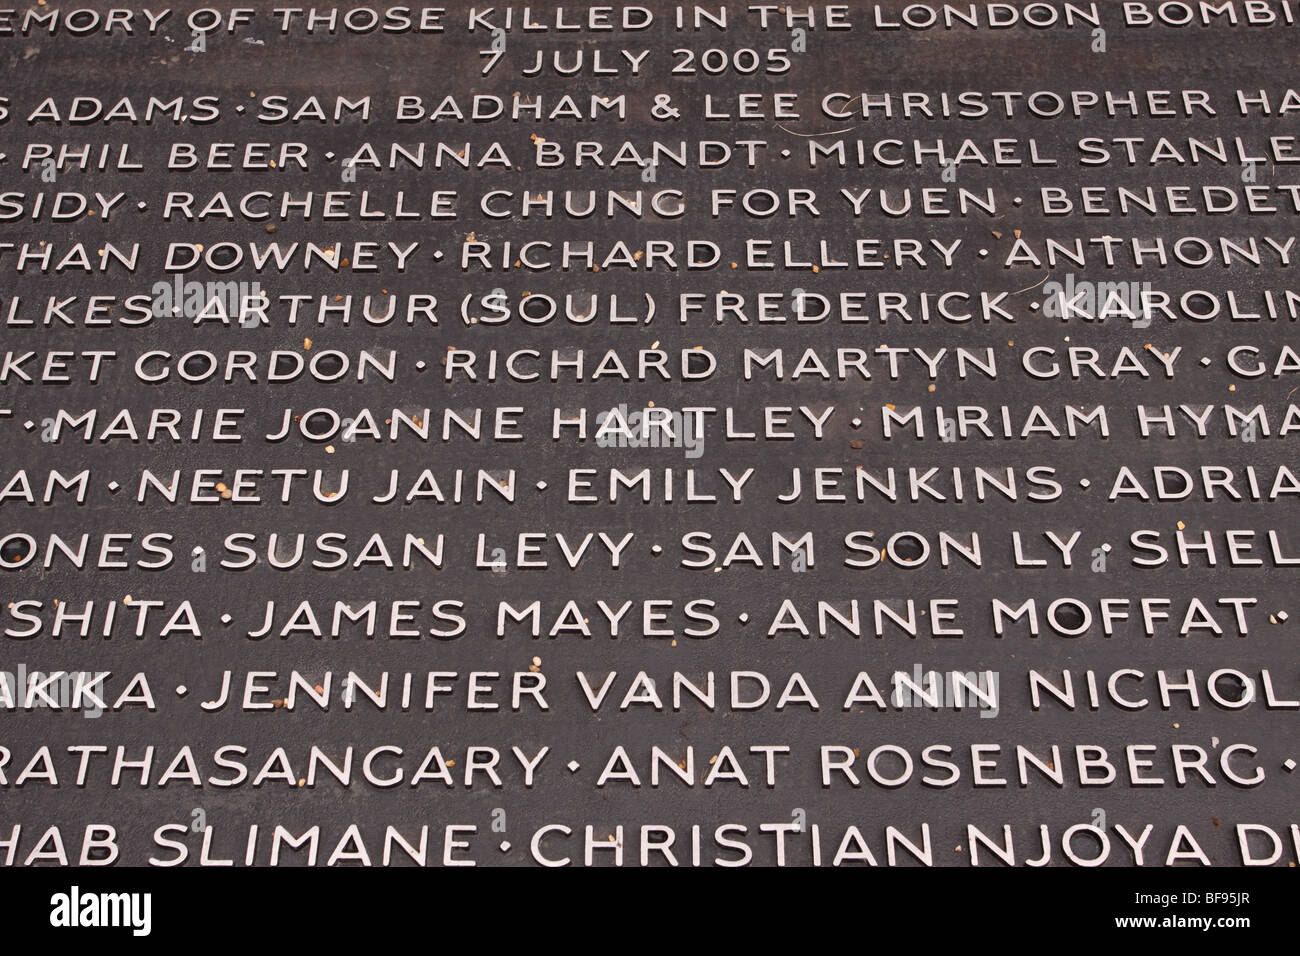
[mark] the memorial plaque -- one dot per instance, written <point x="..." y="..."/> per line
<point x="649" y="435"/>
